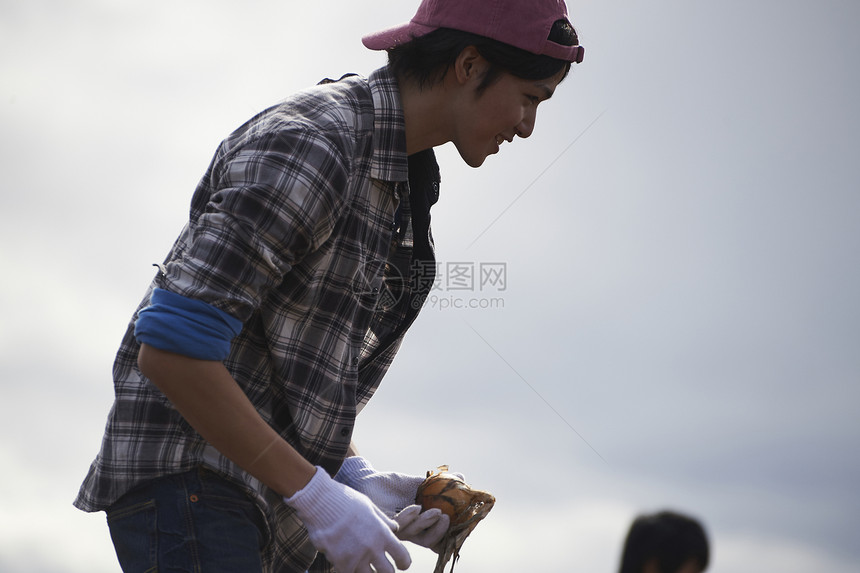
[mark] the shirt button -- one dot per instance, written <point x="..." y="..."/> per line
<point x="344" y="432"/>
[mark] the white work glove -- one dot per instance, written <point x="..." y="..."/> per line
<point x="424" y="528"/>
<point x="347" y="527"/>
<point x="390" y="491"/>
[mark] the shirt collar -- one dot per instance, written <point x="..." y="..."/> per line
<point x="389" y="161"/>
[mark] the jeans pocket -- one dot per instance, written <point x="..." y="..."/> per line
<point x="228" y="499"/>
<point x="133" y="530"/>
<point x="240" y="511"/>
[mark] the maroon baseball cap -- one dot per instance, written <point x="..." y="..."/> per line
<point x="524" y="24"/>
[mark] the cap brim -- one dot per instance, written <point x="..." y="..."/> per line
<point x="395" y="36"/>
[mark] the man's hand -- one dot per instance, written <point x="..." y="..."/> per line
<point x="392" y="492"/>
<point x="423" y="528"/>
<point x="347" y="527"/>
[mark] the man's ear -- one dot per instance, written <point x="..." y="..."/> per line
<point x="469" y="65"/>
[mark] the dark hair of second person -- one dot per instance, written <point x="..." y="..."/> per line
<point x="665" y="542"/>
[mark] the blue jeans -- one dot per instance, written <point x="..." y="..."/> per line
<point x="193" y="521"/>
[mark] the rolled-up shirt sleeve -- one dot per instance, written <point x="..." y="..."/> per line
<point x="186" y="326"/>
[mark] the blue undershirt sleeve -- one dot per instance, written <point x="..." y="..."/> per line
<point x="185" y="326"/>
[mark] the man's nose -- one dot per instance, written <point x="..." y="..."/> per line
<point x="527" y="125"/>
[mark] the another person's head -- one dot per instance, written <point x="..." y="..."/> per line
<point x="665" y="542"/>
<point x="524" y="40"/>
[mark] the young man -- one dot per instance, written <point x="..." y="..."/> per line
<point x="285" y="298"/>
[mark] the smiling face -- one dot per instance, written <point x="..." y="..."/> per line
<point x="505" y="109"/>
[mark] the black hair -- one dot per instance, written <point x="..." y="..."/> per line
<point x="426" y="59"/>
<point x="668" y="539"/>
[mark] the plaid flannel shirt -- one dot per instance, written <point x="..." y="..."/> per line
<point x="311" y="226"/>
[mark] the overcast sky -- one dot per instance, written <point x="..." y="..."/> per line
<point x="678" y="322"/>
